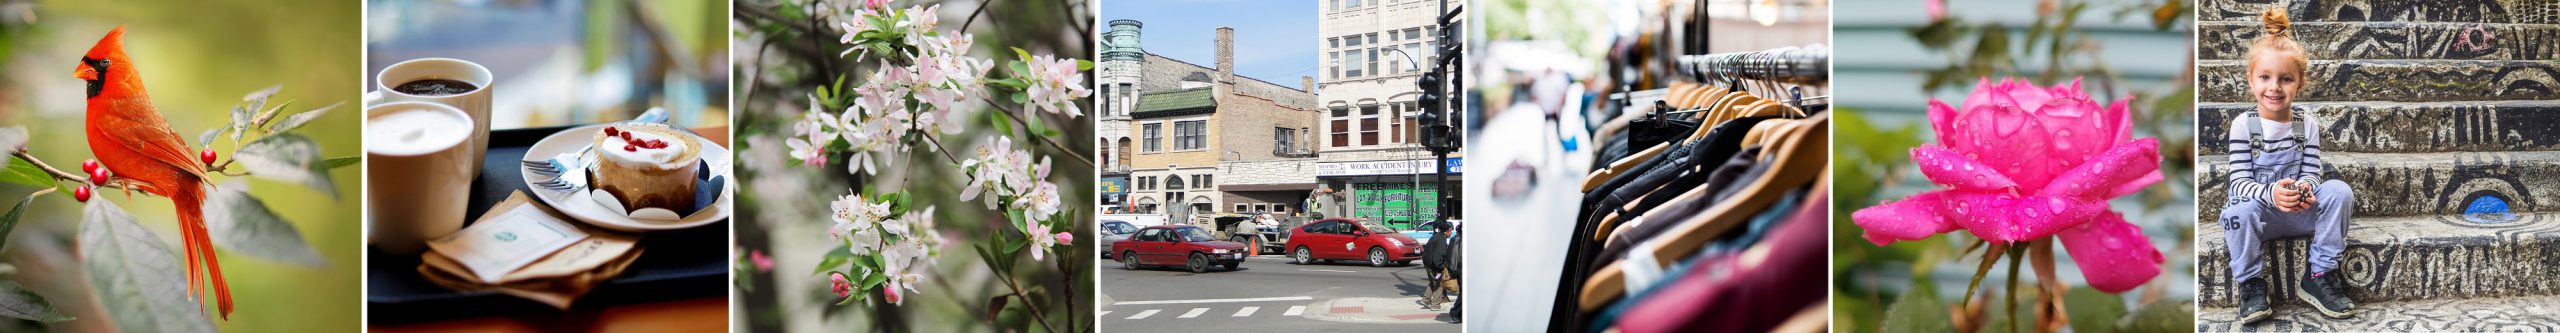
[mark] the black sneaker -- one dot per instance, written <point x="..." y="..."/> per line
<point x="2253" y="300"/>
<point x="2324" y="294"/>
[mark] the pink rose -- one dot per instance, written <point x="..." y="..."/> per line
<point x="1065" y="238"/>
<point x="842" y="287"/>
<point x="2020" y="162"/>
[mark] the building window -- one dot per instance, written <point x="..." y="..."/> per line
<point x="1279" y="208"/>
<point x="1240" y="208"/>
<point x="1369" y="125"/>
<point x="1173" y="183"/>
<point x="1155" y="137"/>
<point x="1340" y="129"/>
<point x="1333" y="65"/>
<point x="1204" y="181"/>
<point x="1191" y="134"/>
<point x="1416" y="50"/>
<point x="1355" y="4"/>
<point x="1353" y="56"/>
<point x="1396" y="125"/>
<point x="1284" y="139"/>
<point x="1373" y="59"/>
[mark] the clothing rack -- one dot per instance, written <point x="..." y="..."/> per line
<point x="1809" y="65"/>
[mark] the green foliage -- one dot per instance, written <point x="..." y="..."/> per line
<point x="135" y="275"/>
<point x="2092" y="311"/>
<point x="1918" y="312"/>
<point x="241" y="223"/>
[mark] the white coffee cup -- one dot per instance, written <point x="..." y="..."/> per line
<point x="474" y="103"/>
<point x="418" y="173"/>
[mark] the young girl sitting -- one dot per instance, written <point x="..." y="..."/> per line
<point x="2275" y="159"/>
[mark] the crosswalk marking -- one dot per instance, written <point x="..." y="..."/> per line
<point x="1295" y="310"/>
<point x="1223" y="300"/>
<point x="1143" y="314"/>
<point x="1248" y="311"/>
<point x="1195" y="312"/>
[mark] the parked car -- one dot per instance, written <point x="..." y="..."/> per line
<point x="1240" y="228"/>
<point x="1188" y="246"/>
<point x="1348" y="239"/>
<point x="1113" y="231"/>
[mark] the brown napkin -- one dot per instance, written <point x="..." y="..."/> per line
<point x="558" y="279"/>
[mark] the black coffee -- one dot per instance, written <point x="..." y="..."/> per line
<point x="435" y="87"/>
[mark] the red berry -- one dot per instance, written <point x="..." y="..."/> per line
<point x="208" y="156"/>
<point x="81" y="193"/>
<point x="630" y="148"/>
<point x="626" y="135"/>
<point x="99" y="175"/>
<point x="90" y="165"/>
<point x="610" y="131"/>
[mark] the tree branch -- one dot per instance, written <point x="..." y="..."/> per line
<point x="1017" y="120"/>
<point x="58" y="174"/>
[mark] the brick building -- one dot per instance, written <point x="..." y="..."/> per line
<point x="1201" y="138"/>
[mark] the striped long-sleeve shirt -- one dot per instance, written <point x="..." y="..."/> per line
<point x="2278" y="154"/>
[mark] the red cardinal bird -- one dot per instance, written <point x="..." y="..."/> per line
<point x="129" y="137"/>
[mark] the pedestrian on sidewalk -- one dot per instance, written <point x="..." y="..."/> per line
<point x="2275" y="164"/>
<point x="1435" y="257"/>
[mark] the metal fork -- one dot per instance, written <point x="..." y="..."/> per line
<point x="559" y="166"/>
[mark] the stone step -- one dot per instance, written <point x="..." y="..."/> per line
<point x="2475" y="11"/>
<point x="2417" y="184"/>
<point x="2494" y="314"/>
<point x="2230" y="40"/>
<point x="2394" y="127"/>
<point x="2395" y="80"/>
<point x="2406" y="258"/>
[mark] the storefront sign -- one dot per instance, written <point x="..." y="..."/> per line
<point x="1373" y="168"/>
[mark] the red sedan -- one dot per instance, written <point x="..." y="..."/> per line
<point x="1347" y="239"/>
<point x="1184" y="245"/>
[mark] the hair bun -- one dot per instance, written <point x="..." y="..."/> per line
<point x="2278" y="24"/>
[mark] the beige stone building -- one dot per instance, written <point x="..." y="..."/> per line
<point x="1368" y="133"/>
<point x="1201" y="139"/>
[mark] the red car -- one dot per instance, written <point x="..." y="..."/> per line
<point x="1189" y="246"/>
<point x="1347" y="239"/>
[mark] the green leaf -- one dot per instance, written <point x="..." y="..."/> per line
<point x="1917" y="312"/>
<point x="18" y="302"/>
<point x="297" y="120"/>
<point x="1020" y="67"/>
<point x="2092" y="310"/>
<point x="1003" y="127"/>
<point x="871" y="280"/>
<point x="1024" y="55"/>
<point x="834" y="258"/>
<point x="287" y="158"/>
<point x="9" y="222"/>
<point x="1084" y="65"/>
<point x="243" y="224"/>
<point x="334" y="163"/>
<point x="210" y="134"/>
<point x="136" y="277"/>
<point x="26" y="174"/>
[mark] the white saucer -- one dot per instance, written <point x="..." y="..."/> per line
<point x="584" y="208"/>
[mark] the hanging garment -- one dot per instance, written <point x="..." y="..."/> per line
<point x="1750" y="295"/>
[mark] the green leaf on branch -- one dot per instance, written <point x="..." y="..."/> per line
<point x="334" y="163"/>
<point x="297" y="120"/>
<point x="1084" y="65"/>
<point x="135" y="275"/>
<point x="210" y="134"/>
<point x="9" y="222"/>
<point x="26" y="174"/>
<point x="243" y="224"/>
<point x="287" y="158"/>
<point x="18" y="302"/>
<point x="1025" y="56"/>
<point x="834" y="258"/>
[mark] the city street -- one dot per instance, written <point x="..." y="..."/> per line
<point x="1268" y="295"/>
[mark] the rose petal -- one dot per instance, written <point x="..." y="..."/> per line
<point x="2139" y="183"/>
<point x="1912" y="218"/>
<point x="2113" y="255"/>
<point x="2108" y="172"/>
<point x="1950" y="168"/>
<point x="2004" y="217"/>
<point x="2027" y="96"/>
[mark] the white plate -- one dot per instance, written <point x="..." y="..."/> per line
<point x="583" y="208"/>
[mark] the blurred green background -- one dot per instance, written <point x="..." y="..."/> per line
<point x="198" y="59"/>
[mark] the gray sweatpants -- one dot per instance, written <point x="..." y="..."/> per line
<point x="2248" y="225"/>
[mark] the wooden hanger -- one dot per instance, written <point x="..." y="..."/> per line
<point x="1806" y="145"/>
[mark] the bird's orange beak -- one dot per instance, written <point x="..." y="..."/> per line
<point x="83" y="72"/>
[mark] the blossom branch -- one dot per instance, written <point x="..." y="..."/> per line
<point x="1017" y="120"/>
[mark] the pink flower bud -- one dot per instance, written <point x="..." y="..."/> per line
<point x="842" y="287"/>
<point x="1066" y="238"/>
